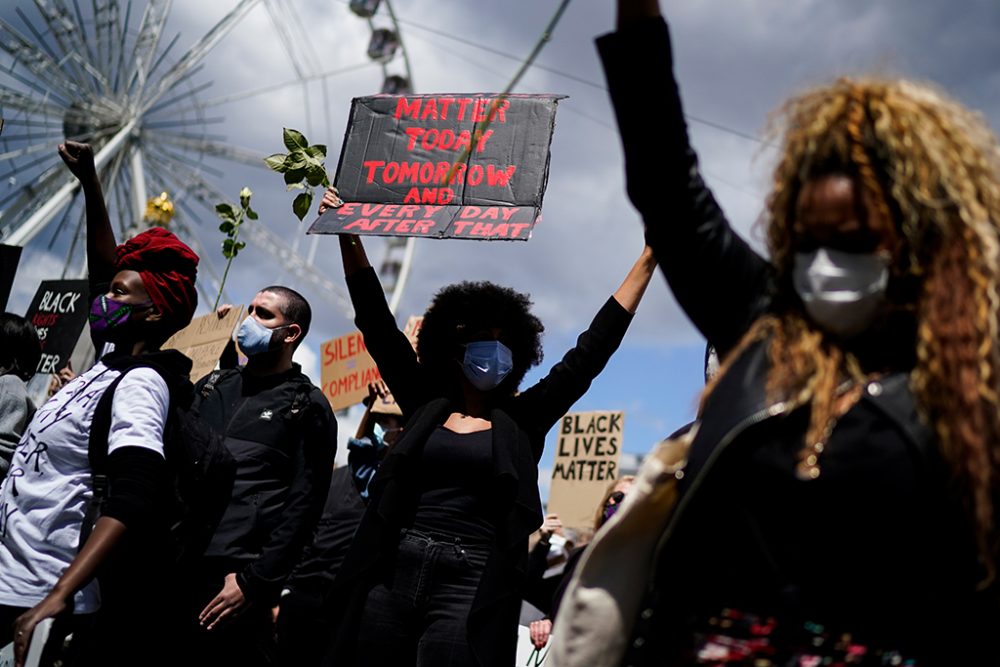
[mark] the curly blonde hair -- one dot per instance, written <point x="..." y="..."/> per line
<point x="929" y="168"/>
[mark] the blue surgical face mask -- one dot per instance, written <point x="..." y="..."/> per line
<point x="378" y="434"/>
<point x="487" y="363"/>
<point x="254" y="338"/>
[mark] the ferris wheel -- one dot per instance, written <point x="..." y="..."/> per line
<point x="103" y="73"/>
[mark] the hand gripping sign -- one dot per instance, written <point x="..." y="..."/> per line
<point x="443" y="166"/>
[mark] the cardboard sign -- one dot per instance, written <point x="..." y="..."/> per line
<point x="346" y="370"/>
<point x="204" y="340"/>
<point x="590" y="445"/>
<point x="412" y="328"/>
<point x="399" y="174"/>
<point x="10" y="255"/>
<point x="59" y="311"/>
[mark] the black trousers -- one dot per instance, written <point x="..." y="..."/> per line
<point x="244" y="641"/>
<point x="418" y="613"/>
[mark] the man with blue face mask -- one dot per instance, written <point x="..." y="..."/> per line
<point x="282" y="433"/>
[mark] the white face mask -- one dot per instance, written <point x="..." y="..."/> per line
<point x="843" y="292"/>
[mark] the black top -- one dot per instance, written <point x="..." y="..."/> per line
<point x="518" y="434"/>
<point x="283" y="435"/>
<point x="455" y="475"/>
<point x="322" y="558"/>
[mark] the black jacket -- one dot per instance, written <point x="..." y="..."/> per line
<point x="284" y="456"/>
<point x="905" y="562"/>
<point x="519" y="429"/>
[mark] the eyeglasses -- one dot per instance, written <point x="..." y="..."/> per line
<point x="615" y="498"/>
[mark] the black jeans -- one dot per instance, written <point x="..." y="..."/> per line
<point x="418" y="613"/>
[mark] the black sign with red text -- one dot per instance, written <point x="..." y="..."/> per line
<point x="443" y="166"/>
<point x="59" y="312"/>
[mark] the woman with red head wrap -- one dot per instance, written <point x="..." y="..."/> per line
<point x="51" y="549"/>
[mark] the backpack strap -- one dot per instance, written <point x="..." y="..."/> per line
<point x="97" y="453"/>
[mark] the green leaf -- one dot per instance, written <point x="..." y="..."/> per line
<point x="296" y="160"/>
<point x="252" y="214"/>
<point x="227" y="249"/>
<point x="295" y="176"/>
<point x="302" y="203"/>
<point x="295" y="186"/>
<point x="326" y="180"/>
<point x="226" y="211"/>
<point x="318" y="151"/>
<point x="293" y="139"/>
<point x="315" y="176"/>
<point x="227" y="227"/>
<point x="239" y="246"/>
<point x="276" y="162"/>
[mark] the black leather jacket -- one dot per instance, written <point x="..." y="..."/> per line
<point x="916" y="585"/>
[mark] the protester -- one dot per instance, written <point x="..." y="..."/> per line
<point x="609" y="505"/>
<point x="303" y="628"/>
<point x="459" y="490"/>
<point x="144" y="292"/>
<point x="838" y="500"/>
<point x="20" y="351"/>
<point x="280" y="429"/>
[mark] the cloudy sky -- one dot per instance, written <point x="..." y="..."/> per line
<point x="736" y="60"/>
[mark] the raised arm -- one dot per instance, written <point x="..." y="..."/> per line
<point x="719" y="281"/>
<point x="389" y="347"/>
<point x="543" y="404"/>
<point x="100" y="237"/>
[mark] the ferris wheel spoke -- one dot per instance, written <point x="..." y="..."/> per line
<point x="183" y="161"/>
<point x="21" y="102"/>
<point x="48" y="145"/>
<point x="154" y="19"/>
<point x="77" y="235"/>
<point x="36" y="60"/>
<point x="215" y="148"/>
<point x="277" y="86"/>
<point x="62" y="220"/>
<point x="197" y="53"/>
<point x="119" y="47"/>
<point x="183" y="96"/>
<point x="69" y="38"/>
<point x="105" y="18"/>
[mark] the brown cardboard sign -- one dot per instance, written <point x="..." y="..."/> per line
<point x="346" y="370"/>
<point x="586" y="461"/>
<point x="204" y="340"/>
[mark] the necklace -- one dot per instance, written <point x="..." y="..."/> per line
<point x="848" y="394"/>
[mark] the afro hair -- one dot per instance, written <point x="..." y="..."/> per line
<point x="468" y="311"/>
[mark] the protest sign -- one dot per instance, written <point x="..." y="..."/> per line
<point x="204" y="340"/>
<point x="412" y="328"/>
<point x="10" y="255"/>
<point x="346" y="370"/>
<point x="586" y="462"/>
<point x="59" y="312"/>
<point x="399" y="175"/>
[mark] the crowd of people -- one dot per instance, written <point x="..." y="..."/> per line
<point x="834" y="503"/>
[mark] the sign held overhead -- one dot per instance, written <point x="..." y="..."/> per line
<point x="443" y="166"/>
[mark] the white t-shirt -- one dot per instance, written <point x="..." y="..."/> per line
<point x="45" y="495"/>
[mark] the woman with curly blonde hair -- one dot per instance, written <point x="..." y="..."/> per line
<point x="839" y="503"/>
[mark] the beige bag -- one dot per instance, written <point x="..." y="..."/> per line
<point x="602" y="600"/>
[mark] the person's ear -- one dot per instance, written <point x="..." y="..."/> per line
<point x="153" y="315"/>
<point x="292" y="334"/>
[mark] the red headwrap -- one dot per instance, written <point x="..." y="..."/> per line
<point x="168" y="269"/>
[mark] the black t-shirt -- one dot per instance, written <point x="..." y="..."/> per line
<point x="455" y="482"/>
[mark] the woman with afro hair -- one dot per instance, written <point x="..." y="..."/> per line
<point x="839" y="504"/>
<point x="434" y="575"/>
